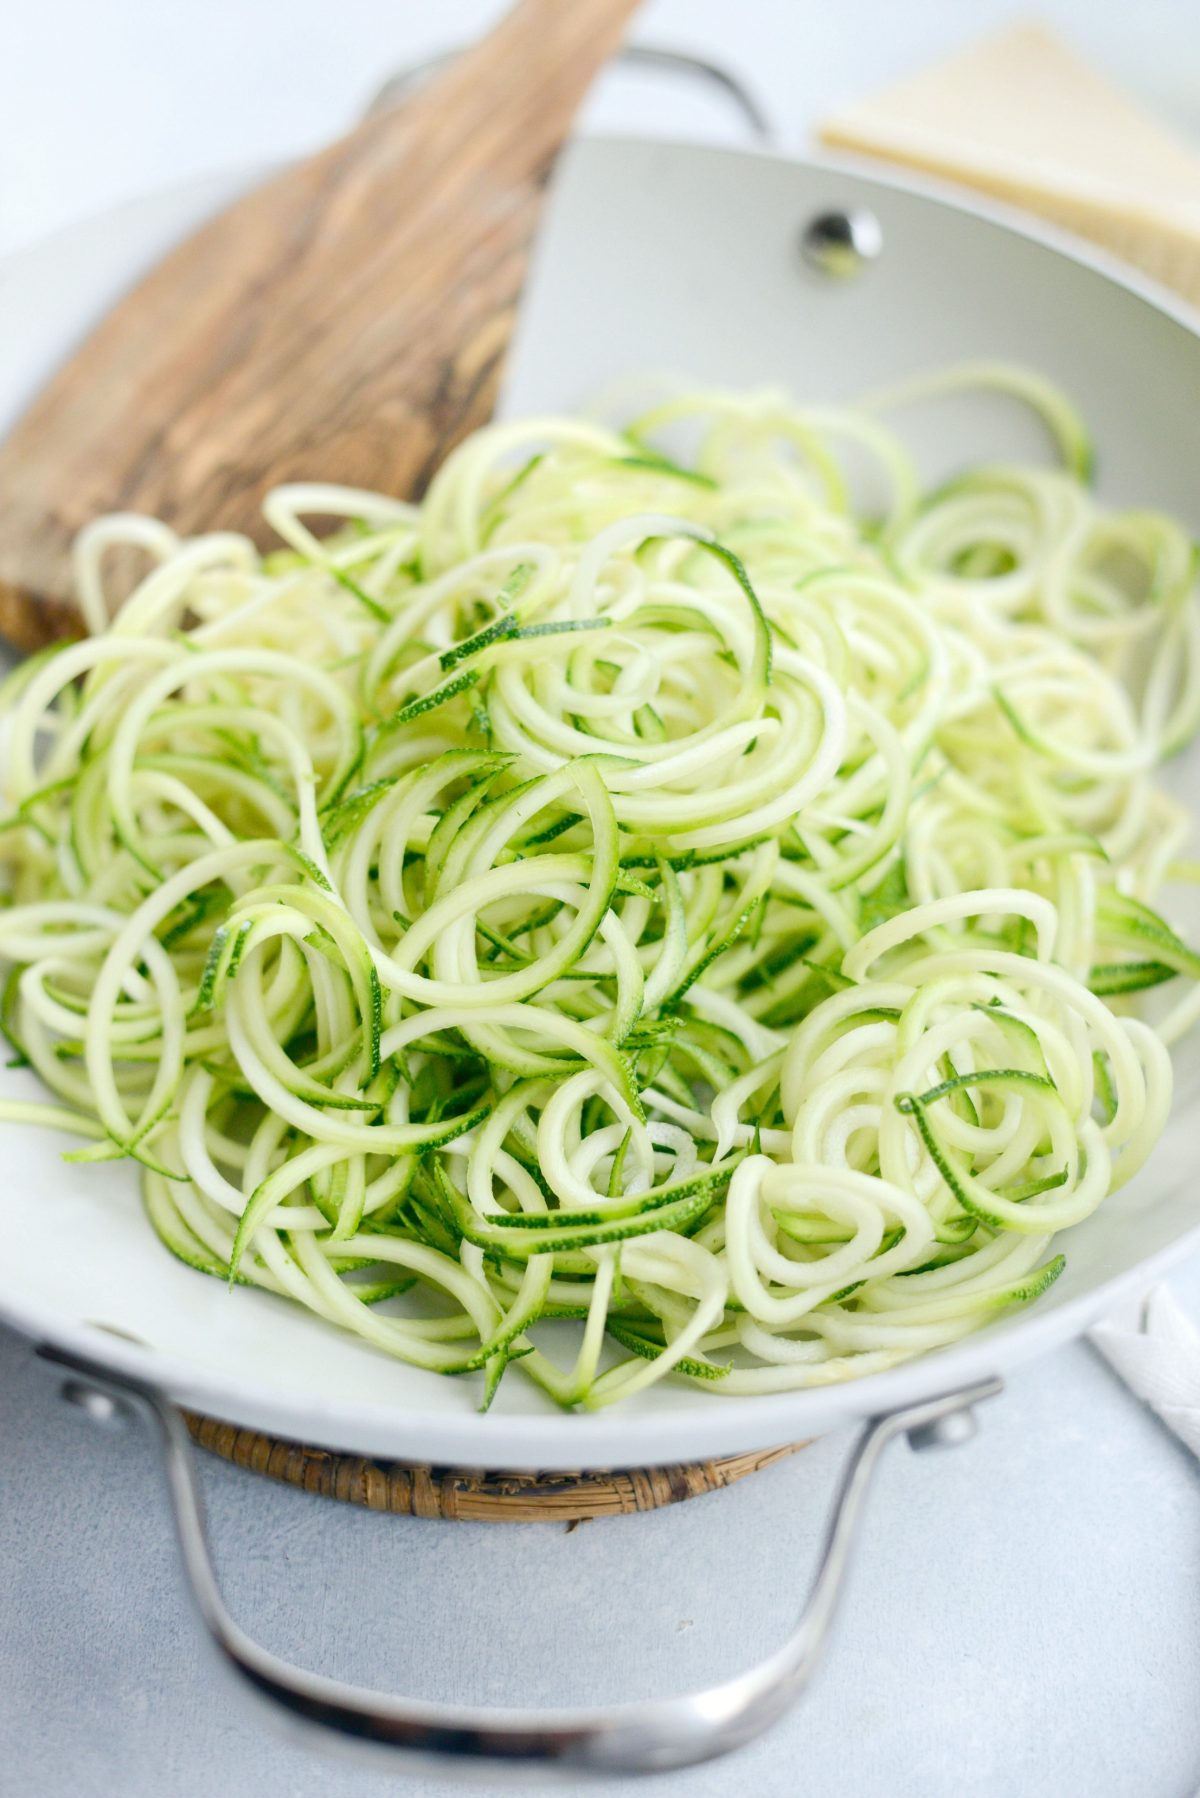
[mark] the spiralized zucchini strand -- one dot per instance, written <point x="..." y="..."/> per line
<point x="640" y="886"/>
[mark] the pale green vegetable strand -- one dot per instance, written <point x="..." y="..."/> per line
<point x="658" y="883"/>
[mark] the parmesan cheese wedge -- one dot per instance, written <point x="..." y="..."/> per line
<point x="1018" y="116"/>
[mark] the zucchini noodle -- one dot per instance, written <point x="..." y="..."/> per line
<point x="673" y="896"/>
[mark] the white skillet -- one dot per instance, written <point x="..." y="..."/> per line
<point x="653" y="256"/>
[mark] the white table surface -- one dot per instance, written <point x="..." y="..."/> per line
<point x="1024" y="1618"/>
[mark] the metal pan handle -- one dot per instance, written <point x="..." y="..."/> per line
<point x="649" y="1736"/>
<point x="647" y="56"/>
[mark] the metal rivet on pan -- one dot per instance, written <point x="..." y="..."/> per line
<point x="945" y="1432"/>
<point x="99" y="1406"/>
<point x="841" y="244"/>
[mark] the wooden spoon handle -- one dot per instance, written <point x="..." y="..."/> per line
<point x="346" y="322"/>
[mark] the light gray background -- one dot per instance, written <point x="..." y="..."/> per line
<point x="1024" y="1619"/>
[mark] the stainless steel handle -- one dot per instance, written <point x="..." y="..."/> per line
<point x="650" y="1736"/>
<point x="647" y="56"/>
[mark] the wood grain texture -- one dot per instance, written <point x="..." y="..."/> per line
<point x="345" y="322"/>
<point x="472" y="1495"/>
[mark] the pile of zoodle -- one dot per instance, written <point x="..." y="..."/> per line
<point x="657" y="896"/>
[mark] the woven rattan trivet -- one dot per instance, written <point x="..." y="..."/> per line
<point x="471" y="1495"/>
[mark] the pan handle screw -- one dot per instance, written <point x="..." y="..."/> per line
<point x="100" y="1407"/>
<point x="945" y="1432"/>
<point x="841" y="244"/>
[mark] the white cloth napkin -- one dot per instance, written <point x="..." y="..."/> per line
<point x="1155" y="1348"/>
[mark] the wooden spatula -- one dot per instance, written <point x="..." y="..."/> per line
<point x="346" y="322"/>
